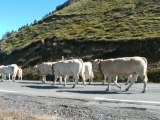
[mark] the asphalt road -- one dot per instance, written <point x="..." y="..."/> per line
<point x="94" y="92"/>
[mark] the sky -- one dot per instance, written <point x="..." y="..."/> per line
<point x="16" y="13"/>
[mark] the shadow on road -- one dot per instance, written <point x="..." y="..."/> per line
<point x="95" y="92"/>
<point x="44" y="86"/>
<point x="41" y="87"/>
<point x="31" y="82"/>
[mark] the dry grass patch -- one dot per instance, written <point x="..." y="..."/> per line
<point x="20" y="116"/>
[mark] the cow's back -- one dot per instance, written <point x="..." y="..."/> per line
<point x="45" y="68"/>
<point x="68" y="67"/>
<point x="125" y="65"/>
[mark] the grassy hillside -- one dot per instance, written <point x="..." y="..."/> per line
<point x="102" y="20"/>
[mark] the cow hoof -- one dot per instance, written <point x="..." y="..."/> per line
<point x="43" y="81"/>
<point x="126" y="89"/>
<point x="143" y="91"/>
<point x="107" y="90"/>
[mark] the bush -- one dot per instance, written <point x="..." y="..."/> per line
<point x="30" y="74"/>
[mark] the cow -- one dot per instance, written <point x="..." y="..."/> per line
<point x="44" y="69"/>
<point x="135" y="66"/>
<point x="88" y="72"/>
<point x="72" y="67"/>
<point x="10" y="70"/>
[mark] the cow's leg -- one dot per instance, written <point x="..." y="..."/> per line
<point x="115" y="78"/>
<point x="9" y="76"/>
<point x="21" y="77"/>
<point x="55" y="79"/>
<point x="133" y="80"/>
<point x="84" y="80"/>
<point x="13" y="78"/>
<point x="126" y="83"/>
<point x="129" y="79"/>
<point x="90" y="81"/>
<point x="65" y="80"/>
<point x="145" y="80"/>
<point x="105" y="79"/>
<point x="2" y="77"/>
<point x="76" y="77"/>
<point x="60" y="80"/>
<point x="109" y="82"/>
<point x="44" y="79"/>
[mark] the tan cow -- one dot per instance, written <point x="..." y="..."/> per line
<point x="73" y="67"/>
<point x="10" y="70"/>
<point x="135" y="66"/>
<point x="44" y="69"/>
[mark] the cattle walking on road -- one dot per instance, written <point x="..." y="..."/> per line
<point x="73" y="67"/>
<point x="135" y="66"/>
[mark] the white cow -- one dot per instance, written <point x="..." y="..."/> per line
<point x="44" y="69"/>
<point x="73" y="67"/>
<point x="88" y="71"/>
<point x="10" y="70"/>
<point x="19" y="73"/>
<point x="135" y="66"/>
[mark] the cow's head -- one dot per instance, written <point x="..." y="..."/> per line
<point x="96" y="65"/>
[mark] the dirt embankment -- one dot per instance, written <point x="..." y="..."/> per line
<point x="52" y="50"/>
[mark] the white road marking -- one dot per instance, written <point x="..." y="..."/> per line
<point x="127" y="101"/>
<point x="8" y="91"/>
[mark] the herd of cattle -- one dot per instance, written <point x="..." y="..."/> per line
<point x="10" y="71"/>
<point x="132" y="67"/>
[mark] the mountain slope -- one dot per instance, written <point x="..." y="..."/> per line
<point x="105" y="20"/>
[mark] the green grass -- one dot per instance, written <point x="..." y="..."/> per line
<point x="106" y="20"/>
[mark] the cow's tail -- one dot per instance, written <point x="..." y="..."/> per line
<point x="82" y="70"/>
<point x="146" y="64"/>
<point x="145" y="60"/>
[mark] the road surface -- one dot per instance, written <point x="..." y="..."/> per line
<point x="94" y="92"/>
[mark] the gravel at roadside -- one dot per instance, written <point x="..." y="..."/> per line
<point x="21" y="107"/>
